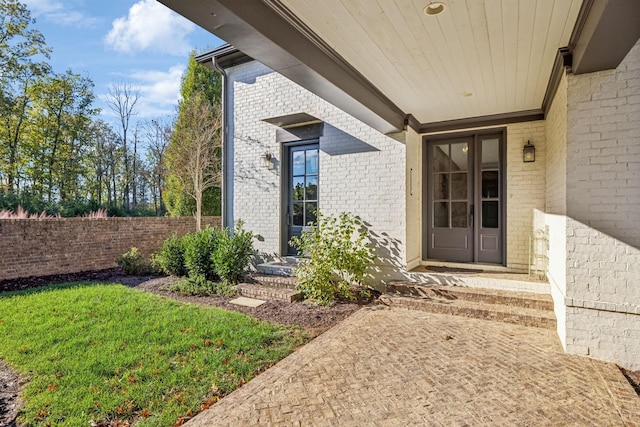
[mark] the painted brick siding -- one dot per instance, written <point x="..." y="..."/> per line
<point x="41" y="247"/>
<point x="556" y="148"/>
<point x="603" y="210"/>
<point x="525" y="189"/>
<point x="361" y="170"/>
<point x="556" y="203"/>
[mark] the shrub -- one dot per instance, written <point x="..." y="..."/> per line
<point x="193" y="285"/>
<point x="198" y="248"/>
<point x="232" y="254"/>
<point x="336" y="258"/>
<point x="199" y="286"/>
<point x="131" y="262"/>
<point x="170" y="259"/>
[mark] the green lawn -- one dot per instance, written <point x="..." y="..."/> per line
<point x="107" y="352"/>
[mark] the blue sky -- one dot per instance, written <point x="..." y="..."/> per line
<point x="139" y="42"/>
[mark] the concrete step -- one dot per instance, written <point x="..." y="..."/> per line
<point x="276" y="268"/>
<point x="475" y="309"/>
<point x="252" y="290"/>
<point x="272" y="281"/>
<point x="484" y="295"/>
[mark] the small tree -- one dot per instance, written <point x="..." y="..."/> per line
<point x="194" y="159"/>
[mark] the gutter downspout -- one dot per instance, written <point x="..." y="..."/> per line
<point x="225" y="135"/>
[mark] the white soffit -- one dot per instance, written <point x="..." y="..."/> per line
<point x="500" y="51"/>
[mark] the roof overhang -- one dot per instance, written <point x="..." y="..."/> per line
<point x="604" y="34"/>
<point x="273" y="37"/>
<point x="601" y="36"/>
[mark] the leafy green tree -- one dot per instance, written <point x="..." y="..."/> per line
<point x="201" y="79"/>
<point x="62" y="111"/>
<point x="178" y="202"/>
<point x="22" y="50"/>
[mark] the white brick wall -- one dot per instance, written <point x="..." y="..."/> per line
<point x="556" y="159"/>
<point x="361" y="170"/>
<point x="603" y="210"/>
<point x="556" y="203"/>
<point x="525" y="189"/>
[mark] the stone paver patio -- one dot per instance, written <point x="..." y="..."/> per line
<point x="396" y="367"/>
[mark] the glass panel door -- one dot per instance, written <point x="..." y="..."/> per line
<point x="302" y="200"/>
<point x="490" y="198"/>
<point x="450" y="171"/>
<point x="464" y="199"/>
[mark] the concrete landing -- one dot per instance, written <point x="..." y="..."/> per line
<point x="247" y="302"/>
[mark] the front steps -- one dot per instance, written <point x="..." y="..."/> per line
<point x="523" y="308"/>
<point x="275" y="281"/>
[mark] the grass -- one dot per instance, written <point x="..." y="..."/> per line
<point x="111" y="353"/>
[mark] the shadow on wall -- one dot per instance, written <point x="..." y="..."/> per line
<point x="335" y="142"/>
<point x="389" y="265"/>
<point x="264" y="257"/>
<point x="250" y="78"/>
<point x="246" y="172"/>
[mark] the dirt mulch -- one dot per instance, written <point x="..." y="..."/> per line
<point x="11" y="385"/>
<point x="109" y="275"/>
<point x="311" y="318"/>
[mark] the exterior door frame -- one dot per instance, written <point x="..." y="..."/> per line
<point x="427" y="187"/>
<point x="291" y="136"/>
<point x="286" y="190"/>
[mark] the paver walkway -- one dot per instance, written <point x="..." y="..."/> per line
<point x="396" y="367"/>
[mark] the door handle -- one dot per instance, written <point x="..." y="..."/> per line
<point x="471" y="212"/>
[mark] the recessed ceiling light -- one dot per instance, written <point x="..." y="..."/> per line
<point x="466" y="94"/>
<point x="434" y="8"/>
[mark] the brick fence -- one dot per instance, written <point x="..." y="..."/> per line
<point x="41" y="247"/>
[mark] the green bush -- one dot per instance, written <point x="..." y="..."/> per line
<point x="200" y="286"/>
<point x="232" y="254"/>
<point x="198" y="248"/>
<point x="193" y="285"/>
<point x="131" y="262"/>
<point x="336" y="258"/>
<point x="170" y="259"/>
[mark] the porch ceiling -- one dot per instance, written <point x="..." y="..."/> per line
<point x="390" y="65"/>
<point x="477" y="58"/>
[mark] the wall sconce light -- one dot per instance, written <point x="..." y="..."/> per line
<point x="529" y="153"/>
<point x="266" y="160"/>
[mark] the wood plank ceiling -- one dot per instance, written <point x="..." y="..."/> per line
<point x="478" y="57"/>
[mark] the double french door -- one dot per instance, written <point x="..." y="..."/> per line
<point x="464" y="212"/>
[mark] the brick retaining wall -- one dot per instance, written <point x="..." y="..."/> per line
<point x="41" y="247"/>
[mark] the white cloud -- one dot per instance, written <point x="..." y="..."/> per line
<point x="56" y="11"/>
<point x="159" y="92"/>
<point x="150" y="25"/>
<point x="160" y="87"/>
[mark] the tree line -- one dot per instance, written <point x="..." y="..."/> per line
<point x="58" y="156"/>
